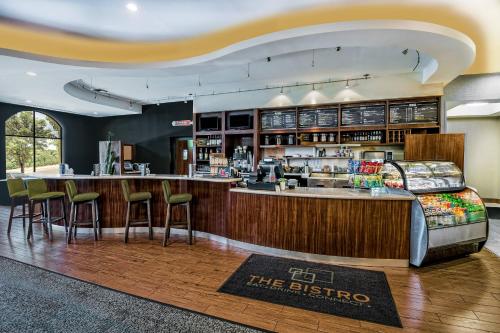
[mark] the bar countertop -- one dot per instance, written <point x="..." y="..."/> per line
<point x="149" y="177"/>
<point x="334" y="193"/>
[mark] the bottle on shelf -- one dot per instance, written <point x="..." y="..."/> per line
<point x="200" y="154"/>
<point x="206" y="154"/>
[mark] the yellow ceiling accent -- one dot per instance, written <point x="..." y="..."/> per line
<point x="56" y="44"/>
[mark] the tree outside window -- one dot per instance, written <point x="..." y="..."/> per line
<point x="32" y="143"/>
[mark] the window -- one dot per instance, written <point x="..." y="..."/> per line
<point x="32" y="143"/>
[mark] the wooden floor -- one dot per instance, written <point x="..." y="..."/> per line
<point x="458" y="296"/>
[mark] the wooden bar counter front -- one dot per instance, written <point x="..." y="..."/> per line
<point x="336" y="225"/>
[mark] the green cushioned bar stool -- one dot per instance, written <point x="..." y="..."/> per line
<point x="182" y="199"/>
<point x="136" y="198"/>
<point x="78" y="199"/>
<point x="38" y="193"/>
<point x="18" y="197"/>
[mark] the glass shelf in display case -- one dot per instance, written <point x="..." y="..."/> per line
<point x="423" y="176"/>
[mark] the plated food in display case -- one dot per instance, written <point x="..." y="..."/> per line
<point x="423" y="177"/>
<point x="448" y="218"/>
<point x="449" y="209"/>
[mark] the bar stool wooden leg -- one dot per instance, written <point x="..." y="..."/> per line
<point x="12" y="208"/>
<point x="98" y="218"/>
<point x="167" y="227"/>
<point x="30" y="223"/>
<point x="188" y="213"/>
<point x="71" y="221"/>
<point x="75" y="226"/>
<point x="63" y="208"/>
<point x="127" y="222"/>
<point x="94" y="220"/>
<point x="24" y="213"/>
<point x="49" y="219"/>
<point x="150" y="225"/>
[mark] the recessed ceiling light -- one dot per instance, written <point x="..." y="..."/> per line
<point x="31" y="73"/>
<point x="28" y="101"/>
<point x="132" y="7"/>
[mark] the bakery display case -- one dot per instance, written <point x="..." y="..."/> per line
<point x="448" y="218"/>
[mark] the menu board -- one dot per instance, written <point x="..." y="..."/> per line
<point x="425" y="112"/>
<point x="278" y="120"/>
<point x="311" y="118"/>
<point x="363" y="115"/>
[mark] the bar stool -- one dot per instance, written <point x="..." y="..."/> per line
<point x="136" y="198"/>
<point x="38" y="193"/>
<point x="18" y="196"/>
<point x="182" y="199"/>
<point x="78" y="199"/>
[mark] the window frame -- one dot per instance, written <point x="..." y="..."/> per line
<point x="34" y="136"/>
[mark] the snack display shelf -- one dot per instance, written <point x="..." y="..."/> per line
<point x="448" y="218"/>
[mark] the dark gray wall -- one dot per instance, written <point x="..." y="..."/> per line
<point x="150" y="131"/>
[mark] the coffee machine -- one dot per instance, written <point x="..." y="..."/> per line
<point x="269" y="170"/>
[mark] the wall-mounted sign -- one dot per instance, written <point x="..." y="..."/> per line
<point x="182" y="123"/>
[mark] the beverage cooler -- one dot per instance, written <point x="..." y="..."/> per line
<point x="448" y="218"/>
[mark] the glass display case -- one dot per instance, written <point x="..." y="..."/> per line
<point x="423" y="177"/>
<point x="448" y="218"/>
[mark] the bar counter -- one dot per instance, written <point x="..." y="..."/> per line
<point x="334" y="225"/>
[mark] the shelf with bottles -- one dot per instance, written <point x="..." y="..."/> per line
<point x="203" y="154"/>
<point x="278" y="140"/>
<point x="452" y="209"/>
<point x="364" y="137"/>
<point x="312" y="139"/>
<point x="207" y="141"/>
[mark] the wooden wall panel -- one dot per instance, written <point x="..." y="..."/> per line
<point x="350" y="228"/>
<point x="440" y="147"/>
<point x="207" y="211"/>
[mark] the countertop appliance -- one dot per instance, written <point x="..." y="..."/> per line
<point x="319" y="179"/>
<point x="448" y="218"/>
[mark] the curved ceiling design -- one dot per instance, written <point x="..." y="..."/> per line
<point x="373" y="47"/>
<point x="59" y="46"/>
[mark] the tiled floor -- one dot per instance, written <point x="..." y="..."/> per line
<point x="462" y="295"/>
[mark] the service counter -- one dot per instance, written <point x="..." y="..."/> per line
<point x="334" y="225"/>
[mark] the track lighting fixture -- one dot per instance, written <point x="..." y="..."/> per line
<point x="347" y="86"/>
<point x="338" y="48"/>
<point x="281" y="91"/>
<point x="405" y="51"/>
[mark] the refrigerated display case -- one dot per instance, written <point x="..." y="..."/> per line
<point x="448" y="218"/>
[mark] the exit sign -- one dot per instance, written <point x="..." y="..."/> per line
<point x="182" y="123"/>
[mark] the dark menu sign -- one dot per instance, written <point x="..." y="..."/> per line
<point x="425" y="112"/>
<point x="311" y="118"/>
<point x="363" y="115"/>
<point x="278" y="120"/>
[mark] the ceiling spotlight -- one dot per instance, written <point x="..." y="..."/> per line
<point x="29" y="101"/>
<point x="158" y="103"/>
<point x="405" y="51"/>
<point x="347" y="86"/>
<point x="281" y="91"/>
<point x="132" y="7"/>
<point x="268" y="59"/>
<point x="338" y="48"/>
<point x="31" y="73"/>
<point x="314" y="87"/>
